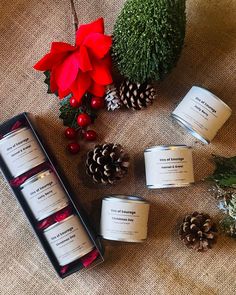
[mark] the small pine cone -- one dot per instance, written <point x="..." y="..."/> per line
<point x="198" y="231"/>
<point x="112" y="98"/>
<point x="136" y="96"/>
<point x="107" y="163"/>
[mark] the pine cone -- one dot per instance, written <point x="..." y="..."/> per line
<point x="198" y="231"/>
<point x="136" y="96"/>
<point x="107" y="163"/>
<point x="112" y="98"/>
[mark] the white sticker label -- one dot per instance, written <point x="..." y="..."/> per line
<point x="69" y="240"/>
<point x="168" y="167"/>
<point x="21" y="152"/>
<point x="203" y="111"/>
<point x="124" y="221"/>
<point x="45" y="196"/>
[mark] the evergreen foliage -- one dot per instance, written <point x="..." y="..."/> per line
<point x="148" y="38"/>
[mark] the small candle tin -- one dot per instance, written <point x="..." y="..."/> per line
<point x="168" y="166"/>
<point x="202" y="113"/>
<point x="20" y="151"/>
<point x="68" y="240"/>
<point x="124" y="218"/>
<point x="44" y="194"/>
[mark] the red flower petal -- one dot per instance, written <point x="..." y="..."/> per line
<point x="84" y="61"/>
<point x="63" y="94"/>
<point x="95" y="27"/>
<point x="81" y="85"/>
<point x="61" y="47"/>
<point x="67" y="72"/>
<point x="101" y="72"/>
<point x="97" y="90"/>
<point x="98" y="44"/>
<point x="53" y="84"/>
<point x="49" y="60"/>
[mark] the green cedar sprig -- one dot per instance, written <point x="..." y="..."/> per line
<point x="224" y="179"/>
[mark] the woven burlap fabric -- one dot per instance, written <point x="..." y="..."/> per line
<point x="162" y="265"/>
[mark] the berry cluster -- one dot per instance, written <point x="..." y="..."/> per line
<point x="83" y="120"/>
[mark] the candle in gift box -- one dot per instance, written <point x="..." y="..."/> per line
<point x="20" y="151"/>
<point x="44" y="194"/>
<point x="68" y="240"/>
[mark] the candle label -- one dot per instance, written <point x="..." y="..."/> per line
<point x="203" y="112"/>
<point x="44" y="194"/>
<point x="21" y="151"/>
<point x="168" y="167"/>
<point x="68" y="240"/>
<point x="124" y="221"/>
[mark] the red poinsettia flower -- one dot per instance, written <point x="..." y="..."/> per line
<point x="84" y="67"/>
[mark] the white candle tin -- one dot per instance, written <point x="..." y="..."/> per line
<point x="124" y="218"/>
<point x="68" y="240"/>
<point x="202" y="113"/>
<point x="168" y="166"/>
<point x="20" y="151"/>
<point x="44" y="194"/>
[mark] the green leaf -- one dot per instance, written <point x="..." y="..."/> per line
<point x="228" y="226"/>
<point x="47" y="81"/>
<point x="225" y="172"/>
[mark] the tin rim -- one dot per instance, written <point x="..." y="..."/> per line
<point x="36" y="177"/>
<point x="216" y="97"/>
<point x="169" y="185"/>
<point x="126" y="199"/>
<point x="124" y="240"/>
<point x="58" y="223"/>
<point x="167" y="147"/>
<point x="13" y="133"/>
<point x="190" y="129"/>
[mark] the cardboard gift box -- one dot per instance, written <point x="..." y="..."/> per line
<point x="24" y="156"/>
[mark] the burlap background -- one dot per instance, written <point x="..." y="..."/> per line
<point x="161" y="265"/>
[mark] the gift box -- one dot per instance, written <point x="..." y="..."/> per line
<point x="46" y="198"/>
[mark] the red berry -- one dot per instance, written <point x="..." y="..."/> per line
<point x="90" y="135"/>
<point x="97" y="102"/>
<point x="70" y="133"/>
<point x="83" y="120"/>
<point x="73" y="147"/>
<point x="73" y="102"/>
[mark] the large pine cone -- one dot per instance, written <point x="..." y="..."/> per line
<point x="198" y="231"/>
<point x="107" y="163"/>
<point x="136" y="96"/>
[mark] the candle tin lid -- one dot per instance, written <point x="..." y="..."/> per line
<point x="126" y="199"/>
<point x="167" y="147"/>
<point x="124" y="218"/>
<point x="36" y="177"/>
<point x="168" y="166"/>
<point x="201" y="113"/>
<point x="13" y="133"/>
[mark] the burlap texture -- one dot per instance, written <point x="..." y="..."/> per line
<point x="161" y="265"/>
